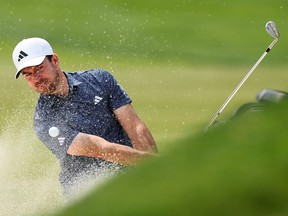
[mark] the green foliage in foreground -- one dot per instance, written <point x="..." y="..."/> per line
<point x="236" y="169"/>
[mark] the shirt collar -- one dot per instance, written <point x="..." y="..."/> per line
<point x="72" y="81"/>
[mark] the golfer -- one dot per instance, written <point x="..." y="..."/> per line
<point x="99" y="131"/>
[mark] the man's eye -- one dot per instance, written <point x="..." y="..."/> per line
<point x="39" y="68"/>
<point x="26" y="74"/>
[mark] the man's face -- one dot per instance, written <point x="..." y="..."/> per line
<point x="44" y="77"/>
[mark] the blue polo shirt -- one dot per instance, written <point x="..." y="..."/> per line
<point x="93" y="95"/>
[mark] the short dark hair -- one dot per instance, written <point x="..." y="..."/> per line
<point x="49" y="57"/>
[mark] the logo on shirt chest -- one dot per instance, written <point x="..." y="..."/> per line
<point x="97" y="99"/>
<point x="61" y="140"/>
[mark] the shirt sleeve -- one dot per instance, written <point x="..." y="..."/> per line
<point x="118" y="96"/>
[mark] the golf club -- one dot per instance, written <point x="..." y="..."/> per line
<point x="273" y="31"/>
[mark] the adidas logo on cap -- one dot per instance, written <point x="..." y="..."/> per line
<point x="22" y="55"/>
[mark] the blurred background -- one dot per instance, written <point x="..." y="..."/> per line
<point x="178" y="61"/>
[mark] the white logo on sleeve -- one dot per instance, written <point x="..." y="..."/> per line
<point x="97" y="99"/>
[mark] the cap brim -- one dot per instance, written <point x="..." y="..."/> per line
<point x="29" y="63"/>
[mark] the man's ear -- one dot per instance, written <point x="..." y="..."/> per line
<point x="55" y="59"/>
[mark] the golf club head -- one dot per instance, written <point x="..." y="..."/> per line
<point x="271" y="28"/>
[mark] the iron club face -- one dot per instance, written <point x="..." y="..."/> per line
<point x="271" y="28"/>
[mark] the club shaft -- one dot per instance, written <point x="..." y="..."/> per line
<point x="240" y="84"/>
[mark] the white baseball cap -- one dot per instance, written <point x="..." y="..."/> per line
<point x="30" y="52"/>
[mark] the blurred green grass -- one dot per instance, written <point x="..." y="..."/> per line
<point x="205" y="31"/>
<point x="215" y="174"/>
<point x="178" y="60"/>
